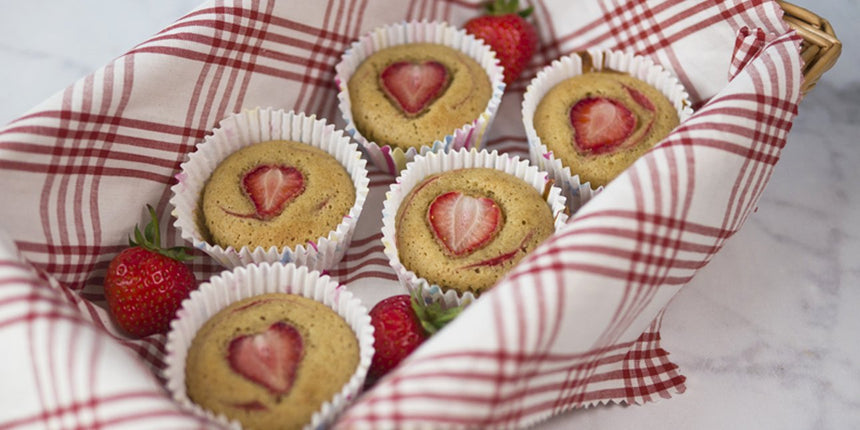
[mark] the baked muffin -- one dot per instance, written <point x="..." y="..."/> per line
<point x="276" y="193"/>
<point x="464" y="229"/>
<point x="298" y="314"/>
<point x="281" y="218"/>
<point x="270" y="361"/>
<point x="598" y="123"/>
<point x="589" y="115"/>
<point x="437" y="117"/>
<point x="414" y="94"/>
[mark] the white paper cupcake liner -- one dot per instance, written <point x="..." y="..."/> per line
<point x="390" y="159"/>
<point x="432" y="163"/>
<point x="255" y="126"/>
<point x="569" y="66"/>
<point x="253" y="280"/>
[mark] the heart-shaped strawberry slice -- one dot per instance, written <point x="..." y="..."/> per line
<point x="269" y="358"/>
<point x="462" y="223"/>
<point x="413" y="86"/>
<point x="270" y="188"/>
<point x="601" y="124"/>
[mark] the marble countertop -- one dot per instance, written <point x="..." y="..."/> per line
<point x="773" y="317"/>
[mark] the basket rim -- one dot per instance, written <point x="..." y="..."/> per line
<point x="820" y="48"/>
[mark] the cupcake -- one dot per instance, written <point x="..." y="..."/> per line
<point x="590" y="115"/>
<point x="269" y="346"/>
<point x="271" y="186"/>
<point x="415" y="87"/>
<point x="267" y="194"/>
<point x="455" y="223"/>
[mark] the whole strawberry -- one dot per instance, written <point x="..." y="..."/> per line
<point x="401" y="323"/>
<point x="145" y="284"/>
<point x="505" y="29"/>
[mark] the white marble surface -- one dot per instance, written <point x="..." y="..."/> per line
<point x="774" y="316"/>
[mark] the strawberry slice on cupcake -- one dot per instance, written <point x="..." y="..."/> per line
<point x="462" y="223"/>
<point x="414" y="86"/>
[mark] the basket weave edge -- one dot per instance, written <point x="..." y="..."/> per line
<point x="820" y="47"/>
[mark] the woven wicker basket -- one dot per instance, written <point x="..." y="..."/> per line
<point x="820" y="48"/>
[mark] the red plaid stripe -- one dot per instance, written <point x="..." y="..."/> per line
<point x="57" y="378"/>
<point x="577" y="323"/>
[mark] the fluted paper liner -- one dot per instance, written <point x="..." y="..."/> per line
<point x="569" y="66"/>
<point x="432" y="163"/>
<point x="255" y="126"/>
<point x="253" y="280"/>
<point x="471" y="135"/>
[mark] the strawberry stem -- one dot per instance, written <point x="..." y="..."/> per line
<point x="150" y="239"/>
<point x="505" y="7"/>
<point x="432" y="315"/>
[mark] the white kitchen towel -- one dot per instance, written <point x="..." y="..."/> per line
<point x="576" y="323"/>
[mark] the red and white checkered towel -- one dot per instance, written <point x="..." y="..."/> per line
<point x="577" y="323"/>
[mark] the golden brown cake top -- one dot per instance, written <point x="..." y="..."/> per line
<point x="464" y="229"/>
<point x="271" y="361"/>
<point x="600" y="122"/>
<point x="276" y="193"/>
<point x="414" y="94"/>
